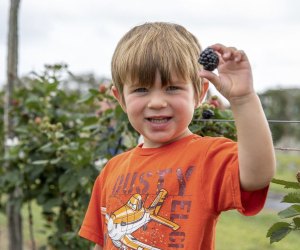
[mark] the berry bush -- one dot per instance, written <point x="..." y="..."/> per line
<point x="59" y="147"/>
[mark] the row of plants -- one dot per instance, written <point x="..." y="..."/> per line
<point x="64" y="134"/>
<point x="59" y="144"/>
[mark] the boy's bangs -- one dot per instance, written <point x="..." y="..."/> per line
<point x="146" y="63"/>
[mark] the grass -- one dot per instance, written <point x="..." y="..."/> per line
<point x="288" y="164"/>
<point x="40" y="234"/>
<point x="234" y="231"/>
<point x="237" y="232"/>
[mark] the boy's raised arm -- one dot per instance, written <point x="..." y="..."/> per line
<point x="255" y="145"/>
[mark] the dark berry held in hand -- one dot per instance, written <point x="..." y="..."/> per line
<point x="209" y="59"/>
<point x="207" y="114"/>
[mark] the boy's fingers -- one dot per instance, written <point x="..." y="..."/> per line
<point x="240" y="55"/>
<point x="229" y="53"/>
<point x="211" y="77"/>
<point x="222" y="49"/>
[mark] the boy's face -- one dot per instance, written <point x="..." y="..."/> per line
<point x="160" y="114"/>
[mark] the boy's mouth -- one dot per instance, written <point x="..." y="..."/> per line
<point x="158" y="120"/>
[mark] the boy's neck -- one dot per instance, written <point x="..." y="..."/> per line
<point x="151" y="144"/>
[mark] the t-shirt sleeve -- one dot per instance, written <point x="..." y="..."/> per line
<point x="223" y="190"/>
<point x="252" y="202"/>
<point x="91" y="227"/>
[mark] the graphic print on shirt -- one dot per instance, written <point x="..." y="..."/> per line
<point x="132" y="216"/>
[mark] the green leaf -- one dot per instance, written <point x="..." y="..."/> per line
<point x="90" y="120"/>
<point x="292" y="198"/>
<point x="118" y="112"/>
<point x="40" y="162"/>
<point x="287" y="184"/>
<point x="297" y="222"/>
<point x="278" y="231"/>
<point x="90" y="127"/>
<point x="47" y="147"/>
<point x="50" y="204"/>
<point x="55" y="161"/>
<point x="63" y="147"/>
<point x="68" y="236"/>
<point x="59" y="135"/>
<point x="51" y="87"/>
<point x="94" y="92"/>
<point x="68" y="182"/>
<point x="22" y="130"/>
<point x="86" y="99"/>
<point x="291" y="211"/>
<point x="32" y="102"/>
<point x="89" y="97"/>
<point x="35" y="170"/>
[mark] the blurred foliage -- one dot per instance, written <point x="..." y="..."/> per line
<point x="61" y="142"/>
<point x="282" y="104"/>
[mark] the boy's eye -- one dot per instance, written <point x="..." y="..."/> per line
<point x="172" y="88"/>
<point x="140" y="90"/>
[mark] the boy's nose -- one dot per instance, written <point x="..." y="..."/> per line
<point x="157" y="102"/>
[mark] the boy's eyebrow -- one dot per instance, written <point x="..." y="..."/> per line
<point x="178" y="80"/>
<point x="133" y="84"/>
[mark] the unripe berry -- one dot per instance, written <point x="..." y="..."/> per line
<point x="38" y="120"/>
<point x="15" y="102"/>
<point x="215" y="103"/>
<point x="102" y="88"/>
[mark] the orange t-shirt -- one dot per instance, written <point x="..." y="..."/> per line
<point x="168" y="197"/>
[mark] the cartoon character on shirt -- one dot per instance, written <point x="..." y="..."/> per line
<point x="132" y="216"/>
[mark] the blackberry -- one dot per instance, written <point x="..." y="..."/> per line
<point x="209" y="59"/>
<point x="207" y="114"/>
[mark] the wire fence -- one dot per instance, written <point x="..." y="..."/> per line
<point x="269" y="121"/>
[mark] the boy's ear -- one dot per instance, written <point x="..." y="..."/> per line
<point x="118" y="96"/>
<point x="205" y="86"/>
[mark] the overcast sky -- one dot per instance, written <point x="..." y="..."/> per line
<point x="84" y="33"/>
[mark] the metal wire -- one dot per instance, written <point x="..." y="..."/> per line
<point x="222" y="120"/>
<point x="269" y="121"/>
<point x="287" y="149"/>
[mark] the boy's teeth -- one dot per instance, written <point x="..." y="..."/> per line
<point x="158" y="120"/>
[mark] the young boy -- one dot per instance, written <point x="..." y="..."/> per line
<point x="168" y="192"/>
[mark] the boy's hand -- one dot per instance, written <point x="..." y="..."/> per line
<point x="234" y="79"/>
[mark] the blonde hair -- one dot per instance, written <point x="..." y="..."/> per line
<point x="161" y="46"/>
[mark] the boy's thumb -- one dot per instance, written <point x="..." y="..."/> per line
<point x="211" y="77"/>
